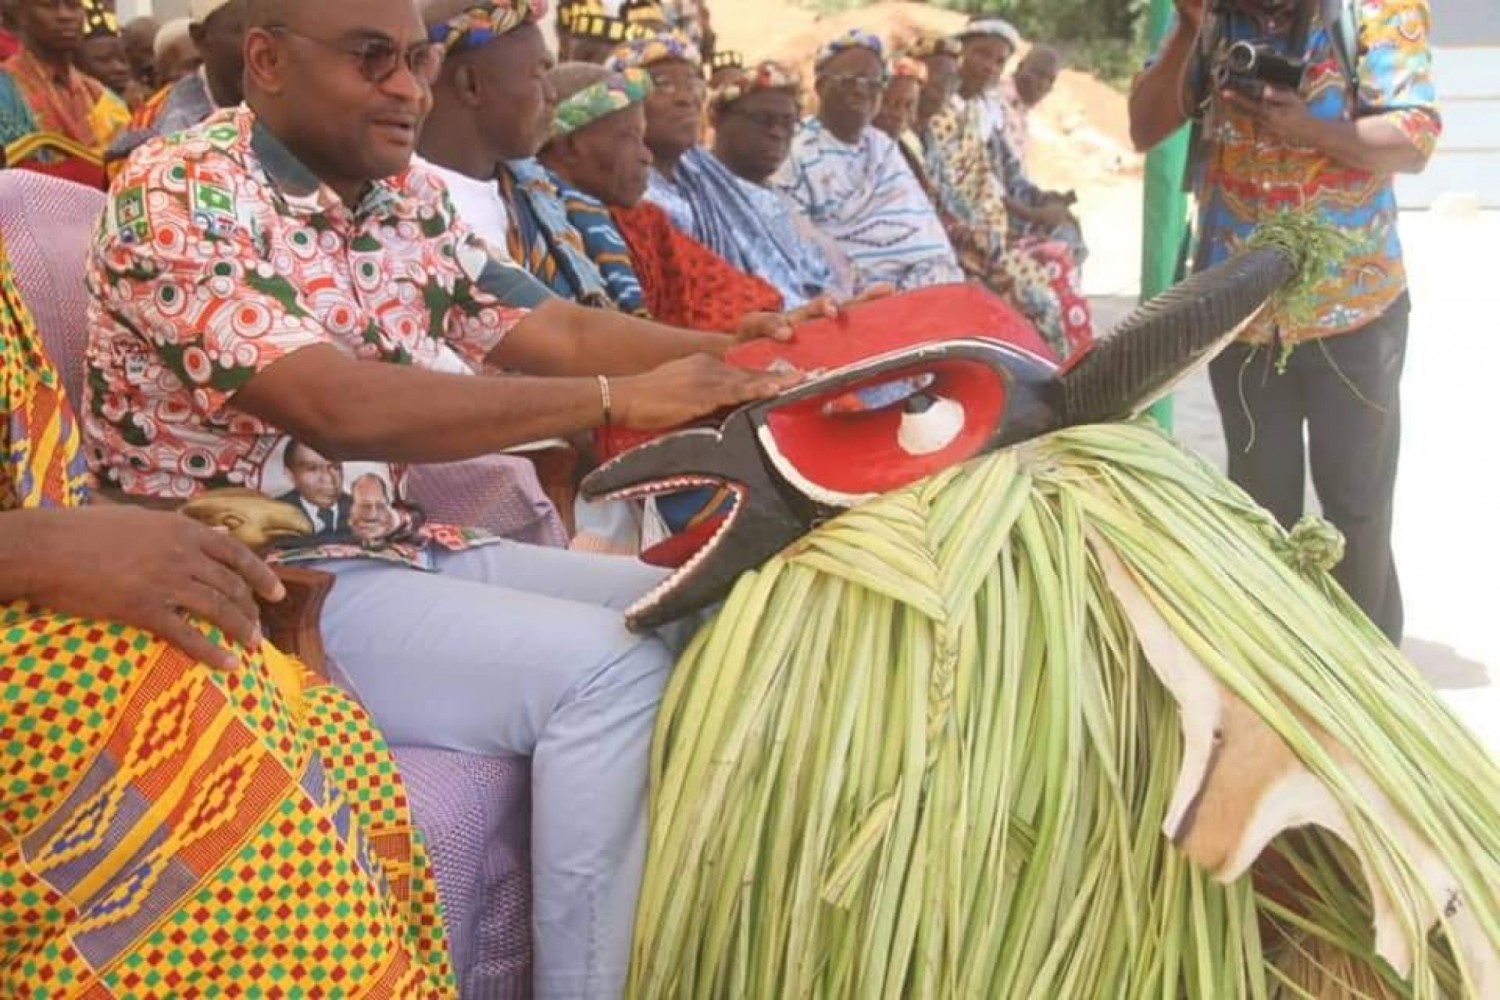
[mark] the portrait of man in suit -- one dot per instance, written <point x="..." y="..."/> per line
<point x="318" y="488"/>
<point x="373" y="516"/>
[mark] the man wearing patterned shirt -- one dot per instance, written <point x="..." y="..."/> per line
<point x="1365" y="112"/>
<point x="282" y="272"/>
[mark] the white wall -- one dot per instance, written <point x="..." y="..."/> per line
<point x="1466" y="56"/>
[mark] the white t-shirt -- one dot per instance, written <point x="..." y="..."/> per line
<point x="479" y="203"/>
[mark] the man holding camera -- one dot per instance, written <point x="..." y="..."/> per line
<point x="1308" y="106"/>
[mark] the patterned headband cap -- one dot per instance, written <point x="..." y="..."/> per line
<point x="935" y="45"/>
<point x="98" y="20"/>
<point x="616" y="92"/>
<point x="854" y="38"/>
<point x="992" y="27"/>
<point x="766" y="76"/>
<point x="662" y="46"/>
<point x="726" y="59"/>
<point x="484" y="22"/>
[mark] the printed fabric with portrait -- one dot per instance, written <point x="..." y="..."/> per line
<point x="218" y="255"/>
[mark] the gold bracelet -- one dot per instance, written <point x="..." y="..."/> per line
<point x="604" y="399"/>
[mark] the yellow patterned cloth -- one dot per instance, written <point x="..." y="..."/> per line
<point x="167" y="830"/>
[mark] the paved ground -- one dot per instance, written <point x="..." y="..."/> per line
<point x="1447" y="529"/>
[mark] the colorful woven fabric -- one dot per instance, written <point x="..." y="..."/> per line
<point x="854" y="38"/>
<point x="170" y="830"/>
<point x="616" y="92"/>
<point x="1246" y="176"/>
<point x="765" y="76"/>
<point x="1040" y="275"/>
<point x="684" y="283"/>
<point x="544" y="241"/>
<point x="77" y="107"/>
<point x="928" y="46"/>
<point x="663" y="46"/>
<point x="754" y="228"/>
<point x="867" y="200"/>
<point x="40" y="464"/>
<point x="484" y="22"/>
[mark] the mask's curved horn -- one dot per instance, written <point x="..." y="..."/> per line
<point x="1169" y="337"/>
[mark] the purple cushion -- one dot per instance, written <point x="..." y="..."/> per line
<point x="475" y="813"/>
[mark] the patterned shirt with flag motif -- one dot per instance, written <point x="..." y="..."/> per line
<point x="1248" y="176"/>
<point x="218" y="255"/>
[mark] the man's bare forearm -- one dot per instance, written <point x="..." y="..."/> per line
<point x="1158" y="98"/>
<point x="565" y="339"/>
<point x="20" y="531"/>
<point x="1376" y="145"/>
<point x="356" y="410"/>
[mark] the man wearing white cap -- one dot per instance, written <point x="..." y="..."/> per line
<point x="174" y="51"/>
<point x="217" y="30"/>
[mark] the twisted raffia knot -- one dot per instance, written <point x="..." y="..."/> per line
<point x="1312" y="545"/>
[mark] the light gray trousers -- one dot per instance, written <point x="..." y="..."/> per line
<point x="518" y="649"/>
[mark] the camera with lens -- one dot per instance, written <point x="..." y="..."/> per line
<point x="1249" y="67"/>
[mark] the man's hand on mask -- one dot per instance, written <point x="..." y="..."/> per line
<point x="779" y="326"/>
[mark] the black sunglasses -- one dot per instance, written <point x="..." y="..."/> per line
<point x="377" y="58"/>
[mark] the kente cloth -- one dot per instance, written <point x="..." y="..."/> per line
<point x="174" y="108"/>
<point x="1246" y="175"/>
<point x="483" y="21"/>
<point x="753" y="228"/>
<point x="544" y="240"/>
<point x="1040" y="279"/>
<point x="605" y="247"/>
<point x="616" y="92"/>
<point x="683" y="282"/>
<point x="77" y="107"/>
<point x="867" y="199"/>
<point x="1040" y="275"/>
<point x="395" y="279"/>
<point x="171" y="830"/>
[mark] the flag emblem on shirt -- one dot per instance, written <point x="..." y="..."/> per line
<point x="132" y="225"/>
<point x="213" y="205"/>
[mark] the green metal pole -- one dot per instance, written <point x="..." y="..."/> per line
<point x="1165" y="213"/>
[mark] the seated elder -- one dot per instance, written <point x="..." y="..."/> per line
<point x="598" y="160"/>
<point x="140" y="778"/>
<point x="1039" y="275"/>
<point x="1023" y="90"/>
<point x="851" y="180"/>
<point x="755" y="117"/>
<point x="344" y="307"/>
<point x="745" y="222"/>
<point x="988" y="44"/>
